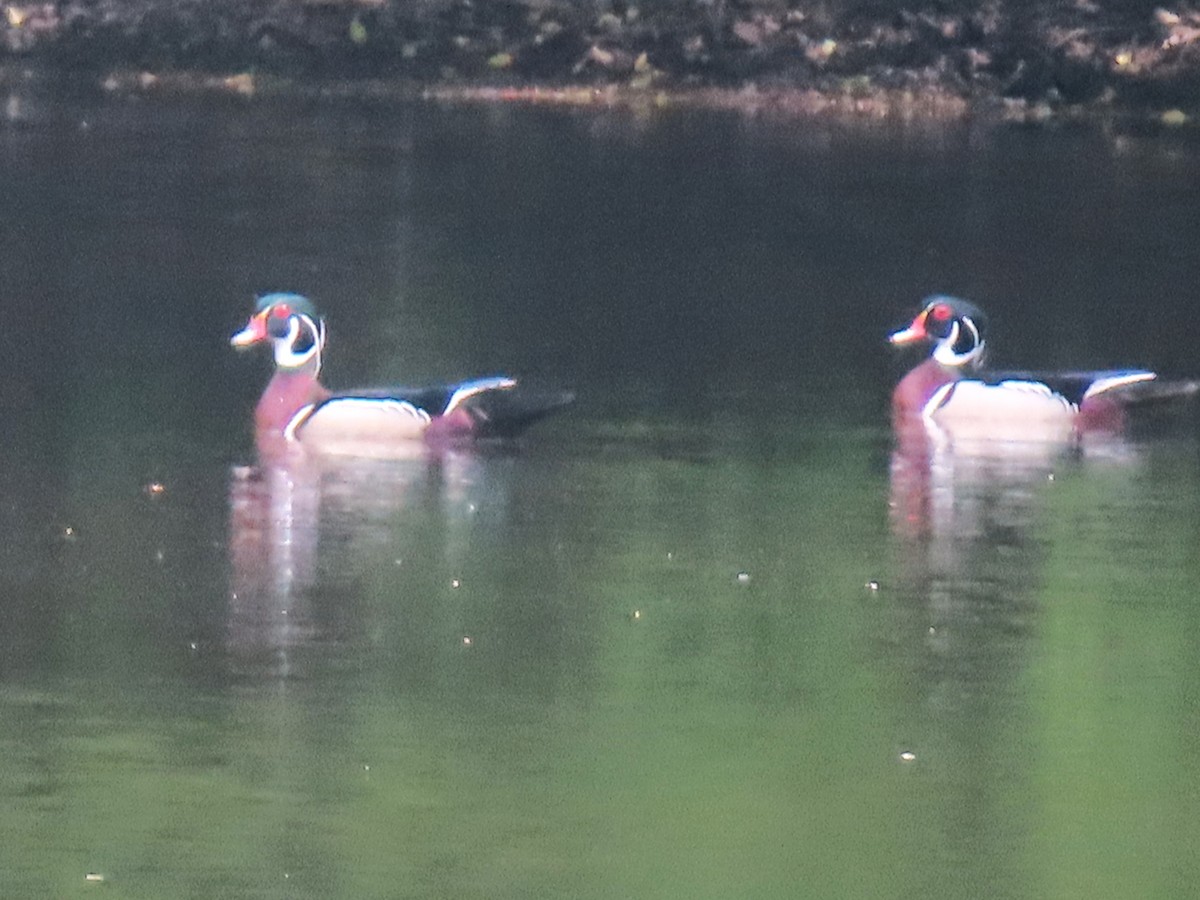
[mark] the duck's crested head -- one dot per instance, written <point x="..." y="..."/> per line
<point x="956" y="327"/>
<point x="291" y="324"/>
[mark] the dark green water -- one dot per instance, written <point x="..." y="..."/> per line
<point x="701" y="636"/>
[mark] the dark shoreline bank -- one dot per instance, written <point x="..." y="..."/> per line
<point x="1012" y="60"/>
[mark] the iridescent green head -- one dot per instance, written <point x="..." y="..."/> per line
<point x="296" y="302"/>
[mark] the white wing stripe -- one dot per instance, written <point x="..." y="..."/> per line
<point x="471" y="388"/>
<point x="1100" y="385"/>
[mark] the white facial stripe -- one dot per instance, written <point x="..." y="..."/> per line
<point x="944" y="352"/>
<point x="970" y="323"/>
<point x="286" y="356"/>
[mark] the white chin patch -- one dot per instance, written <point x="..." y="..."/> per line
<point x="286" y="356"/>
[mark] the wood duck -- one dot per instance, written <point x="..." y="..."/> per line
<point x="297" y="408"/>
<point x="951" y="393"/>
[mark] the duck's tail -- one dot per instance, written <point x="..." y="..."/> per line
<point x="1154" y="391"/>
<point x="506" y="411"/>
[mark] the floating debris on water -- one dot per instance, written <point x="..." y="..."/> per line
<point x="872" y="586"/>
<point x="466" y="641"/>
<point x="156" y="489"/>
<point x="455" y="583"/>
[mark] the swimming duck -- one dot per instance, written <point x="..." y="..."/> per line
<point x="297" y="408"/>
<point x="951" y="393"/>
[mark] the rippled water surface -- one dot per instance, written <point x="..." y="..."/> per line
<point x="710" y="633"/>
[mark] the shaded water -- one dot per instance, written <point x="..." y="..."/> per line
<point x="680" y="642"/>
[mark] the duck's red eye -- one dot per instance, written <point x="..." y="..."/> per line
<point x="281" y="310"/>
<point x="941" y="312"/>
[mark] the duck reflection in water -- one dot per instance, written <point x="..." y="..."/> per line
<point x="304" y="528"/>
